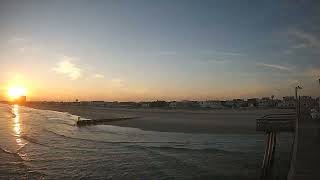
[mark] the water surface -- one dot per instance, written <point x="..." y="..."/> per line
<point x="47" y="144"/>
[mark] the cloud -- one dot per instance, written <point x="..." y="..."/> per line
<point x="224" y="54"/>
<point x="306" y="39"/>
<point x="66" y="67"/>
<point x="117" y="82"/>
<point x="23" y="45"/>
<point x="98" y="76"/>
<point x="217" y="61"/>
<point x="275" y="66"/>
<point x="17" y="40"/>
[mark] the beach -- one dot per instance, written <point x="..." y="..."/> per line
<point x="171" y="120"/>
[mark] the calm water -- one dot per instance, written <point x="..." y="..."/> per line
<point x="46" y="144"/>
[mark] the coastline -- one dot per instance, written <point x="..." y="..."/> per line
<point x="186" y="121"/>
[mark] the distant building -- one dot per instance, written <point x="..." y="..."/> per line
<point x="127" y="104"/>
<point x="158" y="104"/>
<point x="252" y="102"/>
<point x="265" y="102"/>
<point x="307" y="102"/>
<point x="145" y="105"/>
<point x="97" y="103"/>
<point x="228" y="104"/>
<point x="188" y="104"/>
<point x="21" y="100"/>
<point x="173" y="104"/>
<point x="288" y="102"/>
<point x="211" y="104"/>
<point x="237" y="103"/>
<point x="84" y="103"/>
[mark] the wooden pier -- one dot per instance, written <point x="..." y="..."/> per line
<point x="272" y="124"/>
<point x="305" y="163"/>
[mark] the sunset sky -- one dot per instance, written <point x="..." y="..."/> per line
<point x="169" y="49"/>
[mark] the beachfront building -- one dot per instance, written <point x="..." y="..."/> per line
<point x="173" y="104"/>
<point x="288" y="102"/>
<point x="97" y="103"/>
<point x="228" y="103"/>
<point x="237" y="103"/>
<point x="144" y="104"/>
<point x="158" y="104"/>
<point x="252" y="102"/>
<point x="307" y="102"/>
<point x="211" y="104"/>
<point x="187" y="104"/>
<point x="265" y="102"/>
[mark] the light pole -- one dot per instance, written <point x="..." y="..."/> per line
<point x="297" y="101"/>
<point x="296" y="91"/>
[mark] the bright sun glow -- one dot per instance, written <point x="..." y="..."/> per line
<point x="16" y="92"/>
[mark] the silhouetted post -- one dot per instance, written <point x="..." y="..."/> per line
<point x="297" y="100"/>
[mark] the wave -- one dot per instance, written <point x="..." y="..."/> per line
<point x="168" y="145"/>
<point x="119" y="142"/>
<point x="15" y="154"/>
<point x="34" y="141"/>
<point x="205" y="149"/>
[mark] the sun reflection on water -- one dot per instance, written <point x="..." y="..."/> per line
<point x="16" y="125"/>
<point x="17" y="129"/>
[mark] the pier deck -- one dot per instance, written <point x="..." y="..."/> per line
<point x="306" y="154"/>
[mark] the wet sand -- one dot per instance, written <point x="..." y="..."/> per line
<point x="188" y="121"/>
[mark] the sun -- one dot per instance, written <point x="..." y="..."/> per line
<point x="16" y="92"/>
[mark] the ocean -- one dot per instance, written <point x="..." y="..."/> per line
<point x="42" y="144"/>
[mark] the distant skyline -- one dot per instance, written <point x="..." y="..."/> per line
<point x="166" y="50"/>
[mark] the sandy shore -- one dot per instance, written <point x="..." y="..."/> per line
<point x="199" y="121"/>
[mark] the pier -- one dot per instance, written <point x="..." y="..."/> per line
<point x="273" y="124"/>
<point x="305" y="163"/>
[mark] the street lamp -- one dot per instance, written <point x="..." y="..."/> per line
<point x="297" y="101"/>
<point x="296" y="91"/>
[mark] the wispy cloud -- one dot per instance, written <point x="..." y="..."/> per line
<point x="98" y="76"/>
<point x="222" y="53"/>
<point x="275" y="66"/>
<point x="23" y="45"/>
<point x="306" y="39"/>
<point x="309" y="39"/>
<point x="217" y="61"/>
<point x="15" y="39"/>
<point x="117" y="82"/>
<point x="66" y="67"/>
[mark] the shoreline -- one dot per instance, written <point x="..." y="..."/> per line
<point x="186" y="121"/>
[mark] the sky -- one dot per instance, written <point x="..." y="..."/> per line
<point x="138" y="50"/>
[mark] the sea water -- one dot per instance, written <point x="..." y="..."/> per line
<point x="41" y="144"/>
